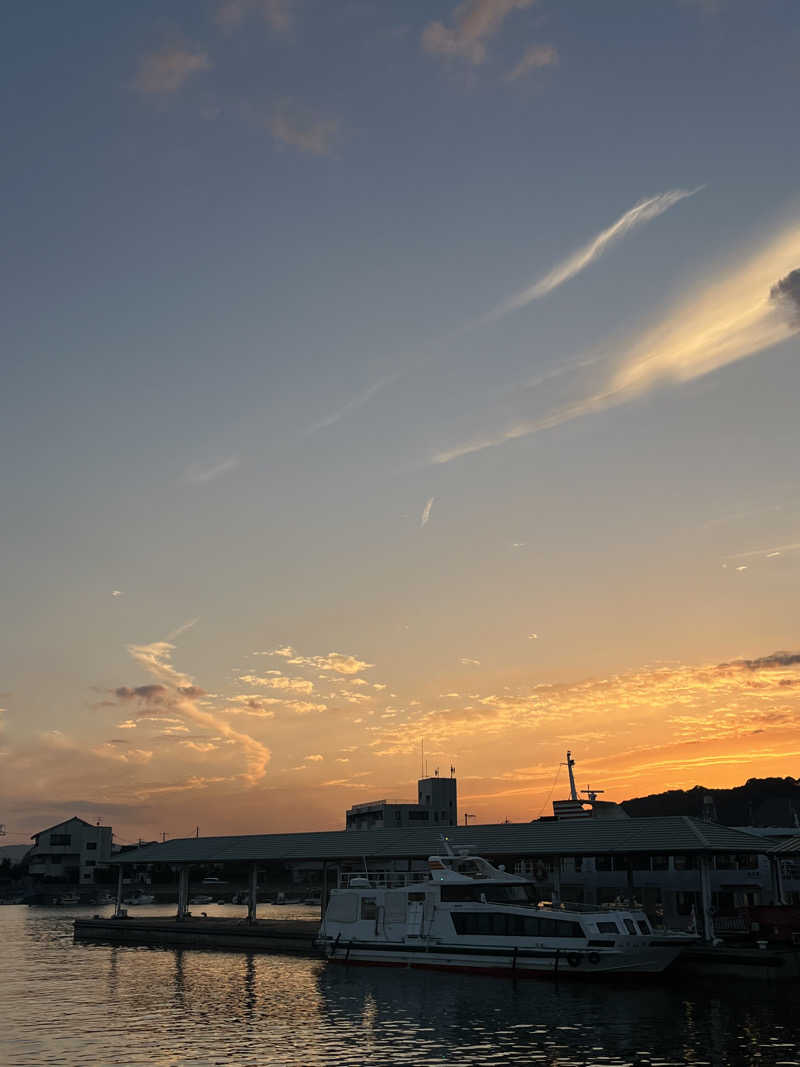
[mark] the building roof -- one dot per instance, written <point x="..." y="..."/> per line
<point x="674" y="834"/>
<point x="64" y="822"/>
<point x="789" y="844"/>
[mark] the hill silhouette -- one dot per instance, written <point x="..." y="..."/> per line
<point x="759" y="802"/>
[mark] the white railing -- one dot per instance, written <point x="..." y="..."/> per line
<point x="384" y="879"/>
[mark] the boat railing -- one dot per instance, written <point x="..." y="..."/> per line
<point x="384" y="879"/>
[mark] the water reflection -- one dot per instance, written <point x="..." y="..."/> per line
<point x="131" y="1005"/>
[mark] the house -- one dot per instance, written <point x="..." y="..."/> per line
<point x="71" y="851"/>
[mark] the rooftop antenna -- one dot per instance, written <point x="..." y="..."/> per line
<point x="422" y="757"/>
<point x="467" y="817"/>
<point x="453" y="771"/>
<point x="436" y="773"/>
<point x="573" y="792"/>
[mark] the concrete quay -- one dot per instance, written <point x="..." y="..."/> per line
<point x="288" y="936"/>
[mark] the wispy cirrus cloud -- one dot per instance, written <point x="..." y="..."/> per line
<point x="472" y="24"/>
<point x="200" y="474"/>
<point x="292" y="124"/>
<point x="426" y="512"/>
<point x="741" y="312"/>
<point x="359" y="399"/>
<point x="536" y="57"/>
<point x="232" y="14"/>
<point x="166" y="69"/>
<point x="645" y="211"/>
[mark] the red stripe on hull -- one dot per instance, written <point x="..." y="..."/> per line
<point x="495" y="972"/>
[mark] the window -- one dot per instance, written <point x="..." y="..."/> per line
<point x="368" y="908"/>
<point x="60" y="839"/>
<point x="660" y="863"/>
<point x="499" y="924"/>
<point x="343" y="907"/>
<point x="492" y="893"/>
<point x="91" y="846"/>
<point x="418" y="816"/>
<point x="603" y="863"/>
<point x="685" y="863"/>
<point x="644" y="926"/>
<point x="608" y="928"/>
<point x="630" y="926"/>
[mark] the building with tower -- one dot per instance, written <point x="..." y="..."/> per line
<point x="437" y="805"/>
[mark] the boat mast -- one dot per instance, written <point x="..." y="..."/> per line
<point x="573" y="792"/>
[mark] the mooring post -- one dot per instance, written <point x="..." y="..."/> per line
<point x="118" y="905"/>
<point x="252" y="895"/>
<point x="183" y="892"/>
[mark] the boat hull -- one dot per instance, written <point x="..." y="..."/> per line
<point x="525" y="963"/>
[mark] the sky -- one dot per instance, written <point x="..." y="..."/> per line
<point x="379" y="374"/>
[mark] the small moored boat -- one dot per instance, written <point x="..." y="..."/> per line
<point x="467" y="915"/>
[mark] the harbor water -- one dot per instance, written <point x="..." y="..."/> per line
<point x="63" y="1003"/>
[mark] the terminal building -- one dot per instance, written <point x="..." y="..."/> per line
<point x="437" y="805"/>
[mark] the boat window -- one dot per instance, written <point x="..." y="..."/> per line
<point x="492" y="893"/>
<point x="629" y="925"/>
<point x="342" y="908"/>
<point x="499" y="924"/>
<point x="368" y="909"/>
<point x="607" y="928"/>
<point x="644" y="926"/>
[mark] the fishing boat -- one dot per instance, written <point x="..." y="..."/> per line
<point x="467" y="915"/>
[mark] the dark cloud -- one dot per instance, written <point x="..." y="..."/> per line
<point x="150" y="694"/>
<point x="774" y="659"/>
<point x="787" y="290"/>
<point x="191" y="691"/>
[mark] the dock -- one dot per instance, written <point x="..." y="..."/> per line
<point x="772" y="963"/>
<point x="285" y="936"/>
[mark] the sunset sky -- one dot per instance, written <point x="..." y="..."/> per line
<point x="387" y="370"/>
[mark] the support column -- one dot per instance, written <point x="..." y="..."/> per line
<point x="557" y="882"/>
<point x="630" y="880"/>
<point x="252" y="895"/>
<point x="705" y="898"/>
<point x="183" y="892"/>
<point x="118" y="904"/>
<point x="776" y="880"/>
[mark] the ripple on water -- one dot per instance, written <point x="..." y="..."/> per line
<point x="125" y="1005"/>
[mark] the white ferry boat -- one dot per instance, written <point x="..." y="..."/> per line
<point x="467" y="915"/>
